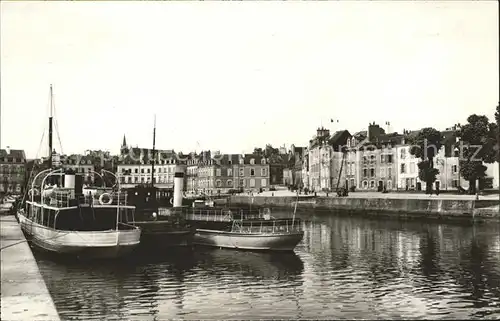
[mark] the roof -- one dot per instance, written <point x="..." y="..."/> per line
<point x="13" y="153"/>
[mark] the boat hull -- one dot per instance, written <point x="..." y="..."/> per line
<point x="95" y="244"/>
<point x="155" y="233"/>
<point x="243" y="241"/>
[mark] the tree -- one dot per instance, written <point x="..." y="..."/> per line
<point x="478" y="140"/>
<point x="426" y="146"/>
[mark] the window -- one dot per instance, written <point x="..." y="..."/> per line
<point x="136" y="179"/>
<point x="142" y="170"/>
<point x="382" y="158"/>
<point x="242" y="171"/>
<point x="252" y="182"/>
<point x="389" y="158"/>
<point x="403" y="168"/>
<point x="229" y="183"/>
<point x="218" y="183"/>
<point x="454" y="169"/>
<point x="403" y="153"/>
<point x="389" y="172"/>
<point x="365" y="172"/>
<point x="263" y="172"/>
<point x="372" y="172"/>
<point x="218" y="172"/>
<point x="263" y="161"/>
<point x="382" y="172"/>
<point x="242" y="161"/>
<point x="252" y="172"/>
<point x="252" y="161"/>
<point x="455" y="183"/>
<point x="263" y="182"/>
<point x="412" y="168"/>
<point x="149" y="170"/>
<point x="136" y="171"/>
<point x="365" y="184"/>
<point x="372" y="184"/>
<point x="389" y="184"/>
<point x="229" y="172"/>
<point x="130" y="179"/>
<point x="242" y="182"/>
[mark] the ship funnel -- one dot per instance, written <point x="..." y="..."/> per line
<point x="69" y="179"/>
<point x="178" y="187"/>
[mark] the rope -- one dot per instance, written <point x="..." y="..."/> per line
<point x="25" y="240"/>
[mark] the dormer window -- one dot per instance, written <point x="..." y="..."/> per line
<point x="252" y="161"/>
<point x="242" y="161"/>
<point x="263" y="161"/>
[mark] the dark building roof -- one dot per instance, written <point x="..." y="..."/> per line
<point x="18" y="154"/>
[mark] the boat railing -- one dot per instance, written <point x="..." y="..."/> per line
<point x="210" y="215"/>
<point x="267" y="227"/>
<point x="126" y="226"/>
<point x="66" y="197"/>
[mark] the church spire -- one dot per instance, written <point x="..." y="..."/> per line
<point x="124" y="144"/>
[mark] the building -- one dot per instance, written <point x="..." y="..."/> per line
<point x="327" y="157"/>
<point x="251" y="172"/>
<point x="12" y="171"/>
<point x="137" y="169"/>
<point x="81" y="164"/>
<point x="373" y="154"/>
<point x="191" y="178"/>
<point x="296" y="165"/>
<point x="305" y="169"/>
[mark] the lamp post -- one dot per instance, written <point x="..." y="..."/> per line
<point x="456" y="150"/>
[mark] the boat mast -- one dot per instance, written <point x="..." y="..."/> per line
<point x="50" y="128"/>
<point x="154" y="158"/>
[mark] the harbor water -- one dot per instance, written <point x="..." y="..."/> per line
<point x="345" y="268"/>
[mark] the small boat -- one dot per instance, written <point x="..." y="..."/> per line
<point x="57" y="216"/>
<point x="264" y="233"/>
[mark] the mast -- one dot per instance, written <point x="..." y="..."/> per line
<point x="50" y="128"/>
<point x="154" y="158"/>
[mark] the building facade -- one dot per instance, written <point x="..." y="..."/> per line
<point x="12" y="171"/>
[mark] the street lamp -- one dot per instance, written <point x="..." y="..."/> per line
<point x="456" y="150"/>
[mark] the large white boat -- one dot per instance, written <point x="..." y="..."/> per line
<point x="59" y="217"/>
<point x="64" y="220"/>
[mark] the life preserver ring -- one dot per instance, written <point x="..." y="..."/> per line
<point x="33" y="190"/>
<point x="110" y="199"/>
<point x="171" y="201"/>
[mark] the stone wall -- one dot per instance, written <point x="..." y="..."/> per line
<point x="425" y="208"/>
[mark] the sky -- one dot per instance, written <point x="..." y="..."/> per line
<point x="231" y="76"/>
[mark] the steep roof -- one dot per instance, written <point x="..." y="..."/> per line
<point x="13" y="153"/>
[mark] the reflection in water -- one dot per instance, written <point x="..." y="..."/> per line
<point x="344" y="268"/>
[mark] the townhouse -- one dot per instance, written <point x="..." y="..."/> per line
<point x="12" y="170"/>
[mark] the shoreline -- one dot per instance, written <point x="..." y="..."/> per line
<point x="428" y="207"/>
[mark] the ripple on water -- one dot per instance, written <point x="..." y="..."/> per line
<point x="346" y="268"/>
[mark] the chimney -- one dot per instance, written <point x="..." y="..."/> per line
<point x="7" y="149"/>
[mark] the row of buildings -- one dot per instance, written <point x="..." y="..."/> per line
<point x="370" y="160"/>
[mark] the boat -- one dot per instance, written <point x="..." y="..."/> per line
<point x="159" y="226"/>
<point x="265" y="235"/>
<point x="56" y="216"/>
<point x="247" y="231"/>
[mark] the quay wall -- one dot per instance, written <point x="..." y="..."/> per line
<point x="24" y="293"/>
<point x="411" y="208"/>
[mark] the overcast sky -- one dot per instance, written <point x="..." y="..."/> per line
<point x="229" y="76"/>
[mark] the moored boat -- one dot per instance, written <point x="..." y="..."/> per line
<point x="160" y="228"/>
<point x="64" y="220"/>
<point x="264" y="233"/>
<point x="57" y="216"/>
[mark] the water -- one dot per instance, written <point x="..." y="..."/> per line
<point x="345" y="268"/>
